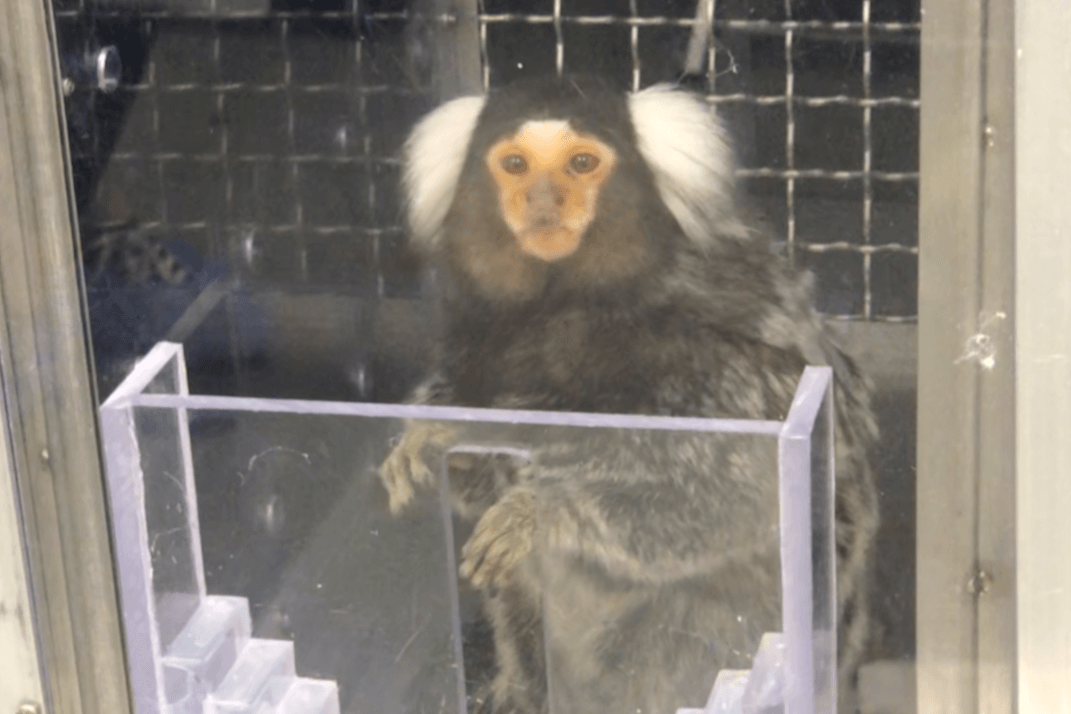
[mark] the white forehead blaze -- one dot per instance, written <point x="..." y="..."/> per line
<point x="544" y="137"/>
<point x="544" y="129"/>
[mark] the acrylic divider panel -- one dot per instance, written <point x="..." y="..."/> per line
<point x="234" y="603"/>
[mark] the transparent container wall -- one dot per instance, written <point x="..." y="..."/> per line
<point x="234" y="597"/>
<point x="369" y="600"/>
<point x="813" y="444"/>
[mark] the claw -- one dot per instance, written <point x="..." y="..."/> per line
<point x="405" y="467"/>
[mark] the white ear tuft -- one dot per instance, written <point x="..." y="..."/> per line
<point x="434" y="156"/>
<point x="688" y="151"/>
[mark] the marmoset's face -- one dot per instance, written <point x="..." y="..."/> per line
<point x="548" y="178"/>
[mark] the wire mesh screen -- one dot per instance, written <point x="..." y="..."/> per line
<point x="821" y="96"/>
<point x="267" y="133"/>
<point x="265" y="137"/>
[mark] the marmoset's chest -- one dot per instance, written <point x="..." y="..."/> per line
<point x="572" y="360"/>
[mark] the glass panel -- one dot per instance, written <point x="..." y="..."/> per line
<point x="238" y="172"/>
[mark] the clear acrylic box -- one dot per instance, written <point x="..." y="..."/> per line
<point x="230" y="607"/>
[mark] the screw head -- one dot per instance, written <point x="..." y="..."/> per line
<point x="980" y="583"/>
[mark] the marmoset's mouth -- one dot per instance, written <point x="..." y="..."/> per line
<point x="550" y="243"/>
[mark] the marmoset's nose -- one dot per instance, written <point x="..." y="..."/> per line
<point x="544" y="194"/>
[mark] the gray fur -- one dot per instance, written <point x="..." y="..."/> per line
<point x="631" y="564"/>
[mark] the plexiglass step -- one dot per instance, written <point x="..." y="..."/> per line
<point x="310" y="696"/>
<point x="204" y="651"/>
<point x="759" y="690"/>
<point x="258" y="681"/>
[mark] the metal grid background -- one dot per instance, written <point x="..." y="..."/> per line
<point x="266" y="139"/>
<point x="267" y="135"/>
<point x="822" y="98"/>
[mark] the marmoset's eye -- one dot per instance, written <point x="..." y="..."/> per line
<point x="514" y="164"/>
<point x="584" y="163"/>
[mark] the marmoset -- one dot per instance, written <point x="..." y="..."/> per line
<point x="591" y="258"/>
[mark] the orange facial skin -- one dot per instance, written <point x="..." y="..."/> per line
<point x="548" y="178"/>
